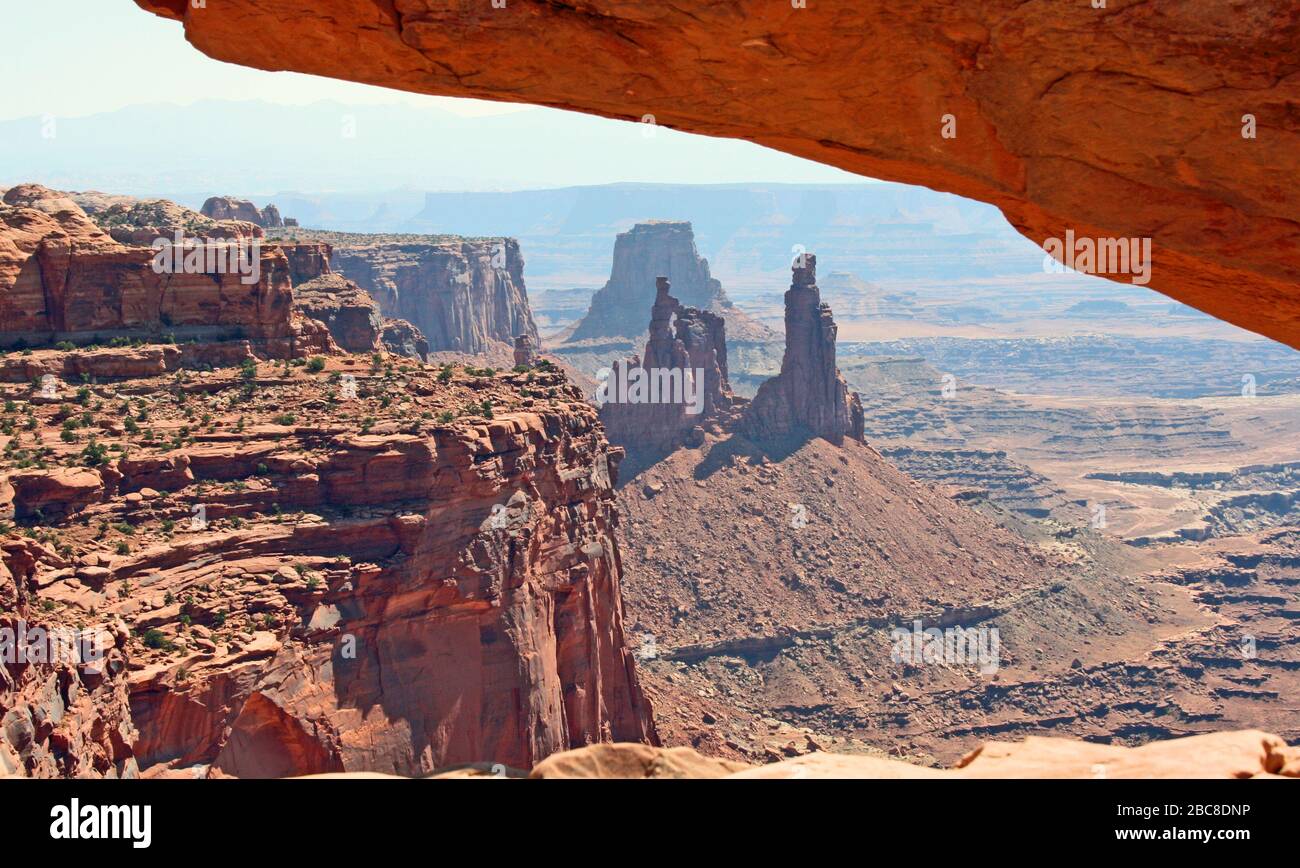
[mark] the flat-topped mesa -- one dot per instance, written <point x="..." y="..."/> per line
<point x="658" y="247"/>
<point x="809" y="396"/>
<point x="525" y="351"/>
<point x="651" y="405"/>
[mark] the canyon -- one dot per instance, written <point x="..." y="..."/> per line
<point x="278" y="537"/>
<point x="353" y="549"/>
<point x="282" y="579"/>
<point x="465" y="295"/>
<point x="1043" y="112"/>
<point x="517" y="435"/>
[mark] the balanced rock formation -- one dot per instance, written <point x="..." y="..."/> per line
<point x="525" y="351"/>
<point x="644" y="252"/>
<point x="229" y="208"/>
<point x="463" y="295"/>
<point x="1041" y="109"/>
<point x="650" y="405"/>
<point x="343" y="569"/>
<point x="810" y="395"/>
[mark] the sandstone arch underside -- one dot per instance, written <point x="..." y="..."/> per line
<point x="1120" y="122"/>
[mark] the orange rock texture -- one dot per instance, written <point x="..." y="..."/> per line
<point x="1240" y="754"/>
<point x="61" y="276"/>
<point x="416" y="568"/>
<point x="1173" y="120"/>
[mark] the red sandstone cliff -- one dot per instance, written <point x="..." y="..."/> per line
<point x="62" y="277"/>
<point x="230" y="208"/>
<point x="346" y="309"/>
<point x="396" y="579"/>
<point x="63" y="703"/>
<point x="687" y="346"/>
<point x="810" y="395"/>
<point x="464" y="295"/>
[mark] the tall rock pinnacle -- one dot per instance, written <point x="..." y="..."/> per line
<point x="809" y="396"/>
<point x="653" y="404"/>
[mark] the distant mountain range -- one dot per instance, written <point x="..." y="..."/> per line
<point x="378" y="161"/>
<point x="255" y="148"/>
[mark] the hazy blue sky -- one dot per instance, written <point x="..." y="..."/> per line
<point x="75" y="58"/>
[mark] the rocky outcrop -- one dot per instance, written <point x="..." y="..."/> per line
<point x="63" y="278"/>
<point x="643" y="253"/>
<point x="525" y="351"/>
<point x="404" y="339"/>
<point x="63" y="689"/>
<point x="346" y="309"/>
<point x="633" y="762"/>
<point x="1225" y="755"/>
<point x="139" y="222"/>
<point x="463" y="295"/>
<point x="230" y="208"/>
<point x="108" y="364"/>
<point x="654" y="403"/>
<point x="307" y="260"/>
<point x="417" y="572"/>
<point x="809" y="396"/>
<point x="1042" y="110"/>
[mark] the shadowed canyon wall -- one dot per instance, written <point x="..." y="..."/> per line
<point x="464" y="295"/>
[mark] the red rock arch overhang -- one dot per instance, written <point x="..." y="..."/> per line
<point x="1119" y="122"/>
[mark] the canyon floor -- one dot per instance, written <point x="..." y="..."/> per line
<point x="1165" y="604"/>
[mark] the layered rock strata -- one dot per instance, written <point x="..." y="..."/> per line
<point x="346" y="309"/>
<point x="464" y="295"/>
<point x="417" y="572"/>
<point x="404" y="339"/>
<point x="64" y="708"/>
<point x="810" y="395"/>
<point x="525" y="351"/>
<point x="230" y="208"/>
<point x="1042" y="110"/>
<point x="63" y="278"/>
<point x="654" y="403"/>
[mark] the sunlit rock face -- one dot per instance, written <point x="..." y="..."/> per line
<point x="810" y="395"/>
<point x="464" y="295"/>
<point x="1173" y="121"/>
<point x="644" y="254"/>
